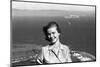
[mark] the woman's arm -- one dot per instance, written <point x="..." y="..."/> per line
<point x="40" y="57"/>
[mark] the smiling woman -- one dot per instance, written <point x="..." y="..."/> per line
<point x="55" y="52"/>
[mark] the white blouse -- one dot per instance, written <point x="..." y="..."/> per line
<point x="49" y="54"/>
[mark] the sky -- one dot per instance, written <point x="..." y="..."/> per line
<point x="46" y="6"/>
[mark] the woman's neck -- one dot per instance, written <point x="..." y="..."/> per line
<point x="57" y="44"/>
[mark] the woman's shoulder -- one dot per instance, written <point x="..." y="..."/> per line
<point x="64" y="46"/>
<point x="45" y="47"/>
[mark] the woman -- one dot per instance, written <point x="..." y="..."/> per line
<point x="55" y="52"/>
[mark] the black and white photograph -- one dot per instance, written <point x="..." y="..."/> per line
<point x="45" y="33"/>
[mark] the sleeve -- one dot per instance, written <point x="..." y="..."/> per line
<point x="68" y="55"/>
<point x="40" y="57"/>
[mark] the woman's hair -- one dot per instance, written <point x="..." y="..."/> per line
<point x="49" y="25"/>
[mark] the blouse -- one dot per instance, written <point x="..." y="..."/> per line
<point x="48" y="54"/>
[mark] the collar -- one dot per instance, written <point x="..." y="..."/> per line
<point x="53" y="47"/>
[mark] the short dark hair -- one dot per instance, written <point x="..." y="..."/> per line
<point x="49" y="25"/>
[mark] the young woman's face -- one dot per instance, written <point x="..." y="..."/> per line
<point x="53" y="34"/>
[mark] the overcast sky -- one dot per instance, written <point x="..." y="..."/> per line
<point x="46" y="6"/>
